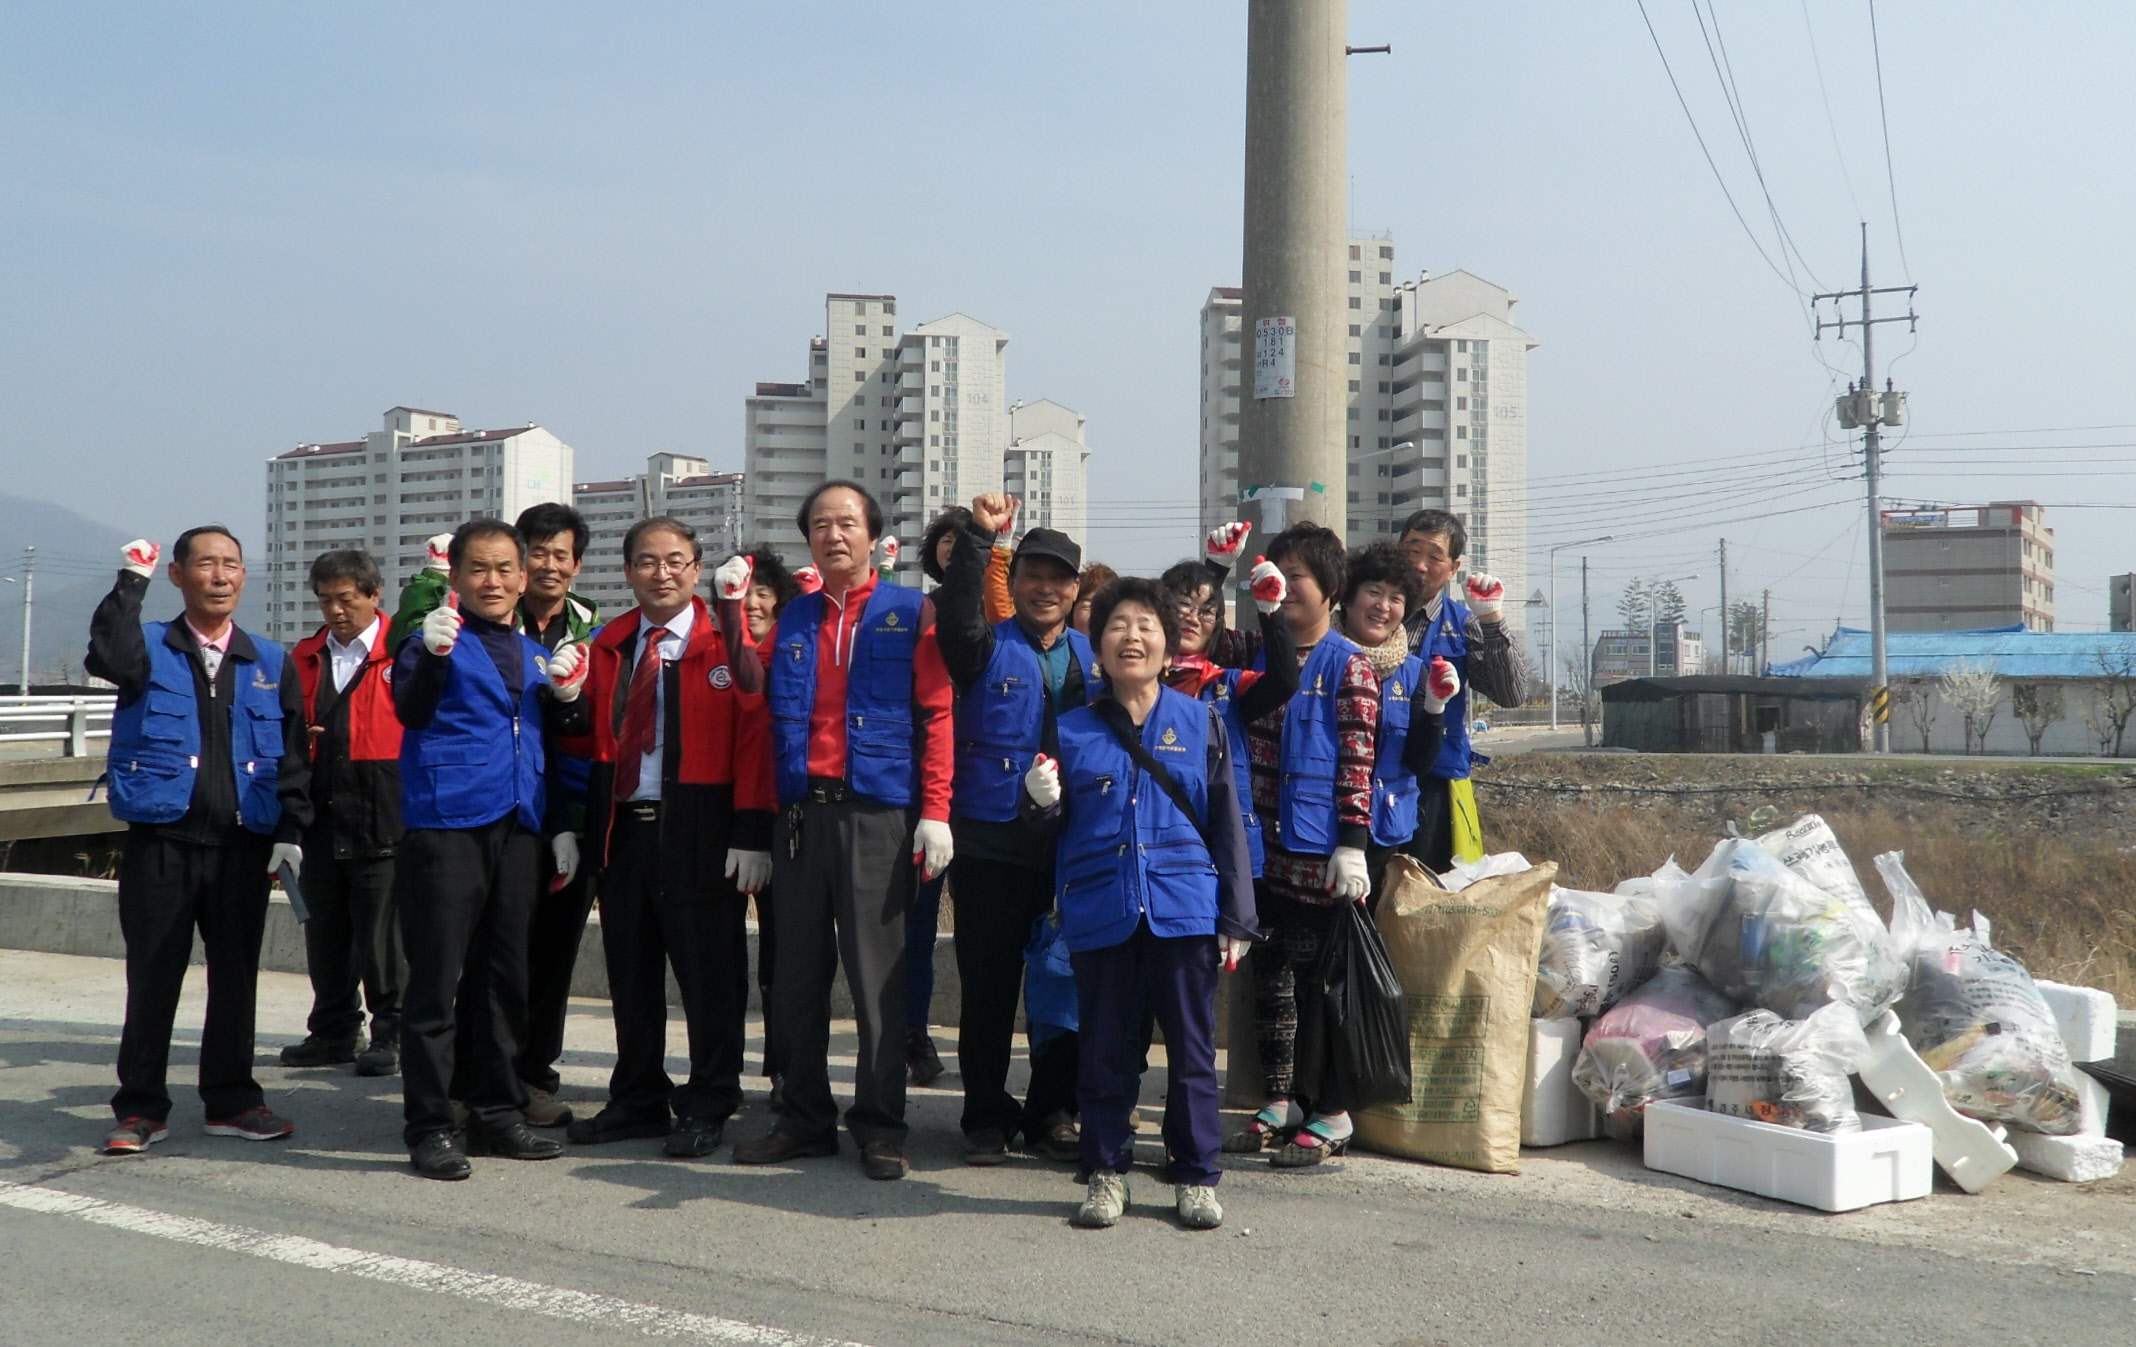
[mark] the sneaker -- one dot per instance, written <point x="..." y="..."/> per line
<point x="254" y="1124"/>
<point x="883" y="1160"/>
<point x="692" y="1137"/>
<point x="317" y="1051"/>
<point x="1056" y="1138"/>
<point x="544" y="1109"/>
<point x="1198" y="1207"/>
<point x="1106" y="1200"/>
<point x="134" y="1135"/>
<point x="921" y="1058"/>
<point x="382" y="1058"/>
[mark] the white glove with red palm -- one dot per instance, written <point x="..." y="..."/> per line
<point x="437" y="553"/>
<point x="890" y="551"/>
<point x="731" y="580"/>
<point x="808" y="579"/>
<point x="1441" y="682"/>
<point x="139" y="556"/>
<point x="1224" y="543"/>
<point x="441" y="630"/>
<point x="1043" y="782"/>
<point x="1486" y="595"/>
<point x="567" y="671"/>
<point x="1268" y="585"/>
<point x="1233" y="949"/>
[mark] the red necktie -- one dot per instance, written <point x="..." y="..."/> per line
<point x="636" y="738"/>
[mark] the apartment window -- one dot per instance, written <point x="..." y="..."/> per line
<point x="1357" y="330"/>
<point x="1353" y="470"/>
<point x="1353" y="252"/>
<point x="1384" y="388"/>
<point x="1460" y="404"/>
<point x="1383" y="442"/>
<point x="1383" y="498"/>
<point x="860" y="376"/>
<point x="860" y="423"/>
<point x="1353" y="413"/>
<point x="935" y="414"/>
<point x="1460" y="460"/>
<point x="1383" y="413"/>
<point x="1356" y="385"/>
<point x="1461" y="376"/>
<point x="1461" y="490"/>
<point x="860" y="353"/>
<point x="934" y="341"/>
<point x="1386" y="278"/>
<point x="1355" y="276"/>
<point x="1356" y="302"/>
<point x="934" y="366"/>
<point x="934" y="441"/>
<point x="934" y="390"/>
<point x="1387" y="253"/>
<point x="861" y="448"/>
<point x="1353" y="498"/>
<point x="887" y="331"/>
<point x="1355" y="442"/>
<point x="1390" y="332"/>
<point x="889" y="308"/>
<point x="886" y="426"/>
<point x="1383" y="360"/>
<point x="860" y="330"/>
<point x="1386" y="305"/>
<point x="1358" y="357"/>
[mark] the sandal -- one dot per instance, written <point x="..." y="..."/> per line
<point x="1276" y="1119"/>
<point x="1310" y="1144"/>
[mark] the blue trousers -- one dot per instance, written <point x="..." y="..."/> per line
<point x="1177" y="976"/>
<point x="922" y="924"/>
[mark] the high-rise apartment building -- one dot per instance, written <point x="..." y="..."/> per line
<point x="1047" y="467"/>
<point x="920" y="416"/>
<point x="1968" y="567"/>
<point x="1437" y="414"/>
<point x="387" y="493"/>
<point x="675" y="485"/>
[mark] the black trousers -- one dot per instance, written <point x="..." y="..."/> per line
<point x="1284" y="1005"/>
<point x="466" y="895"/>
<point x="995" y="906"/>
<point x="1433" y="844"/>
<point x="644" y="930"/>
<point x="841" y="887"/>
<point x="554" y="933"/>
<point x="767" y="960"/>
<point x="352" y="946"/>
<point x="166" y="889"/>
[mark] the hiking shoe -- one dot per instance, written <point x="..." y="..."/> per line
<point x="317" y="1051"/>
<point x="544" y="1109"/>
<point x="692" y="1137"/>
<point x="1198" y="1207"/>
<point x="254" y="1124"/>
<point x="1055" y="1139"/>
<point x="134" y="1135"/>
<point x="613" y="1124"/>
<point x="1106" y="1200"/>
<point x="987" y="1146"/>
<point x="883" y="1160"/>
<point x="382" y="1058"/>
<point x="438" y="1156"/>
<point x="921" y="1058"/>
<point x="776" y="1148"/>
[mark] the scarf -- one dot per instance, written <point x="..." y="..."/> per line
<point x="1388" y="657"/>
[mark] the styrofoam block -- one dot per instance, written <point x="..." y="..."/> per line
<point x="2087" y="1018"/>
<point x="1886" y="1161"/>
<point x="1553" y="1111"/>
<point x="1902" y="1082"/>
<point x="2078" y="1159"/>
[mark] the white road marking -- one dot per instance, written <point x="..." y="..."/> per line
<point x="510" y="1292"/>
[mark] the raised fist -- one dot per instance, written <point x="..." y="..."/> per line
<point x="567" y="671"/>
<point x="993" y="512"/>
<point x="890" y="549"/>
<point x="441" y="630"/>
<point x="139" y="556"/>
<point x="1225" y="540"/>
<point x="1043" y="782"/>
<point x="731" y="580"/>
<point x="1486" y="595"/>
<point x="1440" y="684"/>
<point x="808" y="579"/>
<point x="1268" y="586"/>
<point x="437" y="553"/>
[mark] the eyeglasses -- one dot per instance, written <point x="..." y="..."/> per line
<point x="662" y="565"/>
<point x="1207" y="612"/>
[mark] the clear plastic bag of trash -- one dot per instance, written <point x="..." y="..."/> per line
<point x="1766" y="936"/>
<point x="1809" y="847"/>
<point x="1597" y="947"/>
<point x="1792" y="1073"/>
<point x="1650" y="1045"/>
<point x="1974" y="1015"/>
<point x="1499" y="863"/>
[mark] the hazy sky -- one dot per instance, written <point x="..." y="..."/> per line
<point x="229" y="228"/>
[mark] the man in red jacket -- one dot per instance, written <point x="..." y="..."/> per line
<point x="352" y="942"/>
<point x="678" y="822"/>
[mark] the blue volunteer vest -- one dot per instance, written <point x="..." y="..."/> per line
<point x="1001" y="718"/>
<point x="1222" y="692"/>
<point x="1306" y="822"/>
<point x="1447" y="638"/>
<point x="1128" y="854"/>
<point x="480" y="757"/>
<point x="155" y="739"/>
<point x="1394" y="786"/>
<point x="882" y="731"/>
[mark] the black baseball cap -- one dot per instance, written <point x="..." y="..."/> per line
<point x="1051" y="543"/>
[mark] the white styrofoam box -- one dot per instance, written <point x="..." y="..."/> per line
<point x="1552" y="1109"/>
<point x="2087" y="1018"/>
<point x="1886" y="1161"/>
<point x="1971" y="1154"/>
<point x="2077" y="1159"/>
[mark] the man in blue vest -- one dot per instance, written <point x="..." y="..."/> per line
<point x="1472" y="637"/>
<point x="861" y="755"/>
<point x="209" y="768"/>
<point x="469" y="690"/>
<point x="1013" y="681"/>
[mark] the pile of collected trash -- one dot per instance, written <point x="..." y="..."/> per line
<point x="1758" y="985"/>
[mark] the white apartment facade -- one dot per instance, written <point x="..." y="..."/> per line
<point x="677" y="485"/>
<point x="388" y="492"/>
<point x="1437" y="415"/>
<point x="920" y="416"/>
<point x="1047" y="467"/>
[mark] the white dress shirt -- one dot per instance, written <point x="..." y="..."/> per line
<point x="670" y="650"/>
<point x="348" y="659"/>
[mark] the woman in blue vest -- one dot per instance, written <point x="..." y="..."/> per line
<point x="1153" y="889"/>
<point x="1381" y="589"/>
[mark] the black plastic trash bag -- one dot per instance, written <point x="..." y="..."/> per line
<point x="1353" y="1025"/>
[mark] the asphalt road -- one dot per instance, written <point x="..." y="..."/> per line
<point x="329" y="1238"/>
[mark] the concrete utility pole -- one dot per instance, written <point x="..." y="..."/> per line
<point x="1587" y="652"/>
<point x="1861" y="407"/>
<point x="29" y="602"/>
<point x="1724" y="608"/>
<point x="1293" y="426"/>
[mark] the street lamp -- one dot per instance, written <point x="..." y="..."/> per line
<point x="1654" y="619"/>
<point x="1547" y="669"/>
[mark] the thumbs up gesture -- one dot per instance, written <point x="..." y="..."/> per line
<point x="139" y="556"/>
<point x="441" y="630"/>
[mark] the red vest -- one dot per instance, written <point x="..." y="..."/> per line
<point x="374" y="731"/>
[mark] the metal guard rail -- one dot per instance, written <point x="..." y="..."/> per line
<point x="74" y="721"/>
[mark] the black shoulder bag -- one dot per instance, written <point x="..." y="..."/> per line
<point x="1116" y="719"/>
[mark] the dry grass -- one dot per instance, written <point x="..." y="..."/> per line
<point x="2063" y="904"/>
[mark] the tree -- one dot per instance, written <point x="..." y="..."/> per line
<point x="1579" y="683"/>
<point x="2114" y="700"/>
<point x="1975" y="693"/>
<point x="1917" y="697"/>
<point x="2039" y="706"/>
<point x="1635" y="605"/>
<point x="1668" y="603"/>
<point x="1745" y="629"/>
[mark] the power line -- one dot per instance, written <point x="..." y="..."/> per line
<point x="1891" y="181"/>
<point x="1831" y="124"/>
<point x="1732" y="94"/>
